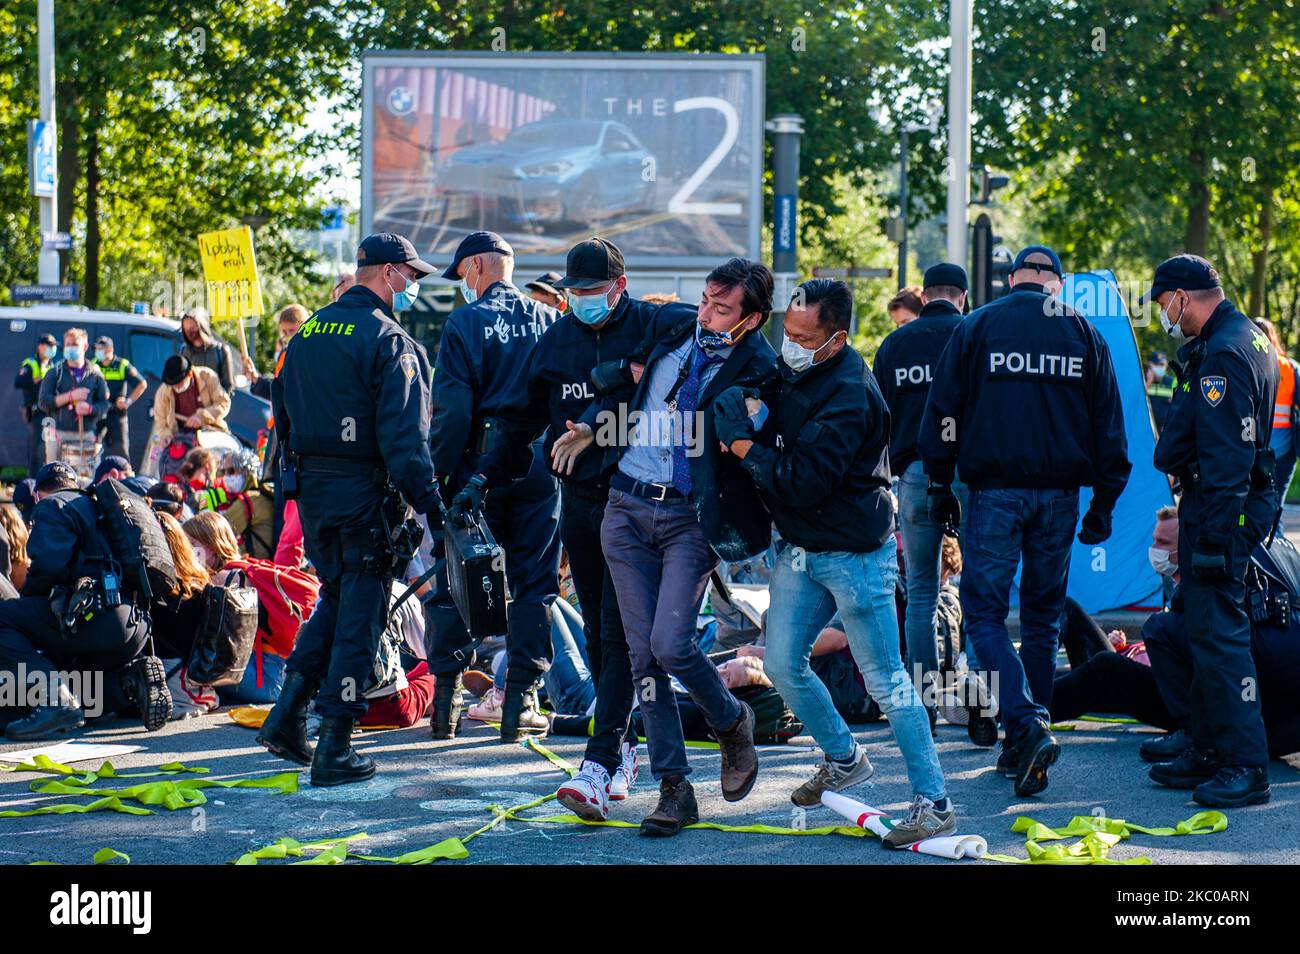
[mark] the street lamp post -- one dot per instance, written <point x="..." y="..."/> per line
<point x="959" y="100"/>
<point x="48" y="261"/>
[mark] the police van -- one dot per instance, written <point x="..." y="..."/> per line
<point x="144" y="340"/>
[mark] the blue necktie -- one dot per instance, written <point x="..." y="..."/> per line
<point x="688" y="402"/>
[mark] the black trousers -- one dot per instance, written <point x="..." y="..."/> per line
<point x="30" y="642"/>
<point x="524" y="519"/>
<point x="582" y="510"/>
<point x="338" y="645"/>
<point x="1112" y="683"/>
<point x="35" y="443"/>
<point x="116" y="434"/>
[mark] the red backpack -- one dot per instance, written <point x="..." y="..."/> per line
<point x="285" y="600"/>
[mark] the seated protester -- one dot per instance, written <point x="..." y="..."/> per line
<point x="167" y="497"/>
<point x="119" y="468"/>
<point x="214" y="544"/>
<point x="404" y="685"/>
<point x="177" y="619"/>
<point x="821" y="464"/>
<point x="13" y="553"/>
<point x="237" y="495"/>
<point x="195" y="476"/>
<point x="66" y="548"/>
<point x="24" y="499"/>
<point x="188" y="399"/>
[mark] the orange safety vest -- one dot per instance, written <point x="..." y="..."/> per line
<point x="1285" y="393"/>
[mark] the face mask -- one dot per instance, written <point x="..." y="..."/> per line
<point x="201" y="554"/>
<point x="798" y="357"/>
<point x="46" y="352"/>
<point x="590" y="309"/>
<point x="470" y="294"/>
<point x="1161" y="561"/>
<point x="101" y="355"/>
<point x="404" y="299"/>
<point x="234" y="483"/>
<point x="1171" y="325"/>
<point x="719" y="339"/>
<point x="1159" y="370"/>
<point x="182" y="387"/>
<point x="72" y="353"/>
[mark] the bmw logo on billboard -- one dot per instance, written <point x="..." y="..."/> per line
<point x="401" y="100"/>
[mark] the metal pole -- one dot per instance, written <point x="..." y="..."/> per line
<point x="48" y="262"/>
<point x="902" y="207"/>
<point x="959" y="101"/>
<point x="786" y="130"/>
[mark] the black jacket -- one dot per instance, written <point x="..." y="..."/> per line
<point x="560" y="389"/>
<point x="821" y="460"/>
<point x="728" y="506"/>
<point x="65" y="543"/>
<point x="904" y="367"/>
<point x="1218" y="427"/>
<point x="483" y="363"/>
<point x="355" y="385"/>
<point x="1025" y="396"/>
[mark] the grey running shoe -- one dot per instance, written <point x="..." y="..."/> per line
<point x="923" y="821"/>
<point x="833" y="777"/>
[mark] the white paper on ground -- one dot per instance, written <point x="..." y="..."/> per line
<point x="66" y="752"/>
<point x="951" y="847"/>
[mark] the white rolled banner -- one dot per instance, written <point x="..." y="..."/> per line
<point x="952" y="847"/>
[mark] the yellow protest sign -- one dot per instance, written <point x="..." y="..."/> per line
<point x="230" y="271"/>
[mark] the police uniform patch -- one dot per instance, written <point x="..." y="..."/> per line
<point x="410" y="366"/>
<point x="1213" y="388"/>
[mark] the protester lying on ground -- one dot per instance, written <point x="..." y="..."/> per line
<point x="401" y="698"/>
<point x="13" y="552"/>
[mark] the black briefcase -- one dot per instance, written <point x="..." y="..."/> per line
<point x="476" y="574"/>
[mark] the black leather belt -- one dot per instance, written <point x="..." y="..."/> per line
<point x="316" y="463"/>
<point x="638" y="488"/>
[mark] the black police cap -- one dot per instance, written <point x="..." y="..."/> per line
<point x="945" y="273"/>
<point x="56" y="470"/>
<point x="389" y="248"/>
<point x="104" y="341"/>
<point x="476" y="243"/>
<point x="591" y="263"/>
<point x="25" y="495"/>
<point x="175" y="368"/>
<point x="46" y="339"/>
<point x="1040" y="257"/>
<point x="1188" y="272"/>
<point x="545" y="283"/>
<point x="111" y="462"/>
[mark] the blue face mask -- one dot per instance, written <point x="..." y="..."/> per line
<point x="404" y="299"/>
<point x="470" y="294"/>
<point x="590" y="309"/>
<point x="72" y="353"/>
<point x="718" y="339"/>
<point x="101" y="355"/>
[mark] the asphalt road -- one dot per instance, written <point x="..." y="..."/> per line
<point x="427" y="791"/>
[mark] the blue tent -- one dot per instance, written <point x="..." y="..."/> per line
<point x="1116" y="573"/>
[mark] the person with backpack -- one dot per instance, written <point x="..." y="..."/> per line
<point x="80" y="611"/>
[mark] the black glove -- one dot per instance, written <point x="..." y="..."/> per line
<point x="609" y="375"/>
<point x="731" y="403"/>
<point x="469" y="500"/>
<point x="1210" y="562"/>
<point x="1096" y="527"/>
<point x="945" y="509"/>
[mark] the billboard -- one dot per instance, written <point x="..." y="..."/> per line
<point x="661" y="153"/>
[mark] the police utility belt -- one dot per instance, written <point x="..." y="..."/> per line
<point x="1261" y="472"/>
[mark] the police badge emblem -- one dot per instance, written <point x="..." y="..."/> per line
<point x="410" y="366"/>
<point x="1213" y="388"/>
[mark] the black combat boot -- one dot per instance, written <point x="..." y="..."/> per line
<point x="520" y="717"/>
<point x="144" y="683"/>
<point x="1234" y="786"/>
<point x="676" y="809"/>
<point x="1189" y="770"/>
<point x="285" y="730"/>
<point x="335" y="761"/>
<point x="1165" y="748"/>
<point x="448" y="697"/>
<point x="48" y="722"/>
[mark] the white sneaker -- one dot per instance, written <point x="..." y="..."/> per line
<point x="625" y="775"/>
<point x="487" y="709"/>
<point x="587" y="793"/>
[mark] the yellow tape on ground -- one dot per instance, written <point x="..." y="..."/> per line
<point x="101" y="857"/>
<point x="169" y="795"/>
<point x="544" y="752"/>
<point x="43" y="763"/>
<point x="1099" y="836"/>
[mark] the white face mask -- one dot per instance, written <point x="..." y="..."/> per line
<point x="1171" y="324"/>
<point x="1161" y="561"/>
<point x="799" y="358"/>
<point x="234" y="483"/>
<point x="201" y="554"/>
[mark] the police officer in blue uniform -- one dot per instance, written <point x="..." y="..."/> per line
<point x="903" y="369"/>
<point x="1215" y="443"/>
<point x="351" y="407"/>
<point x="582" y="355"/>
<point x="484" y="358"/>
<point x="1024" y="405"/>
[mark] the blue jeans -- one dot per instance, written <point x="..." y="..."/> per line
<point x="922" y="551"/>
<point x="569" y="683"/>
<point x="1003" y="528"/>
<point x="660" y="561"/>
<point x="807" y="589"/>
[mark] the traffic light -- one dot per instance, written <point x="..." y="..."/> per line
<point x="987" y="184"/>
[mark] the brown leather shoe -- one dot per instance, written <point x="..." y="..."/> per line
<point x="676" y="810"/>
<point x="739" y="760"/>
